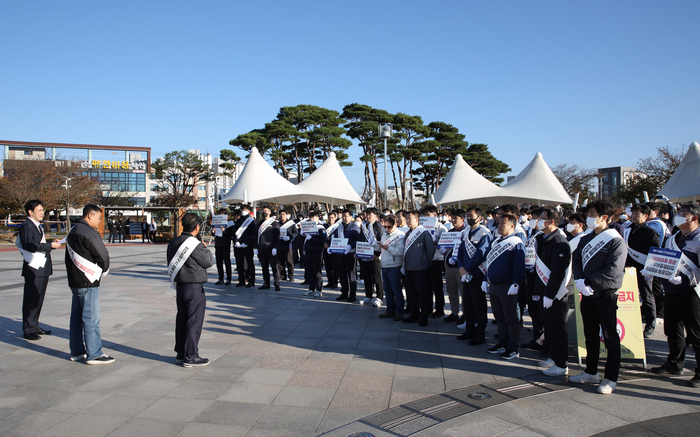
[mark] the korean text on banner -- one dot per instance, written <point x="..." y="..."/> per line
<point x="449" y="239"/>
<point x="429" y="223"/>
<point x="309" y="228"/>
<point x="219" y="220"/>
<point x="662" y="263"/>
<point x="338" y="245"/>
<point x="364" y="250"/>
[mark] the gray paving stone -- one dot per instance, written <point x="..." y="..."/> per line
<point x="149" y="427"/>
<point x="292" y="396"/>
<point x="251" y="393"/>
<point x="123" y="405"/>
<point x="292" y="418"/>
<point x="231" y="413"/>
<point x="31" y="423"/>
<point x="77" y="424"/>
<point x="211" y="430"/>
<point x="267" y="376"/>
<point x="174" y="409"/>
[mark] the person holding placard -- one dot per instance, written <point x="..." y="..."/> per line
<point x="640" y="238"/>
<point x="453" y="278"/>
<point x="285" y="258"/>
<point x="682" y="300"/>
<point x="346" y="260"/>
<point x="371" y="270"/>
<point x="87" y="262"/>
<point x="330" y="260"/>
<point x="418" y="255"/>
<point x="266" y="248"/>
<point x="222" y="247"/>
<point x="437" y="266"/>
<point x="313" y="248"/>
<point x="527" y="298"/>
<point x="245" y="231"/>
<point x="598" y="268"/>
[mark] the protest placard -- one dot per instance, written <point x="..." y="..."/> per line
<point x="364" y="250"/>
<point x="662" y="263"/>
<point x="449" y="239"/>
<point x="309" y="227"/>
<point x="338" y="245"/>
<point x="219" y="220"/>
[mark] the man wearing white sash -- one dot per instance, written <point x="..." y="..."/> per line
<point x="392" y="245"/>
<point x="87" y="262"/>
<point x="36" y="268"/>
<point x="505" y="274"/>
<point x="682" y="300"/>
<point x="599" y="268"/>
<point x="417" y="257"/>
<point x="471" y="257"/>
<point x="188" y="261"/>
<point x="245" y="233"/>
<point x="223" y="234"/>
<point x="656" y="209"/>
<point x="330" y="260"/>
<point x="313" y="250"/>
<point x="371" y="270"/>
<point x="266" y="248"/>
<point x="552" y="275"/>
<point x="437" y="266"/>
<point x="639" y="239"/>
<point x="527" y="298"/>
<point x="453" y="277"/>
<point x="346" y="261"/>
<point x="285" y="258"/>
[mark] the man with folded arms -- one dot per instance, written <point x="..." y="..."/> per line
<point x="87" y="262"/>
<point x="552" y="275"/>
<point x="598" y="269"/>
<point x="682" y="300"/>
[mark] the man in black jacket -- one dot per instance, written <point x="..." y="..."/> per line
<point x="188" y="261"/>
<point x="313" y="248"/>
<point x="245" y="232"/>
<point x="222" y="249"/>
<point x="87" y="262"/>
<point x="36" y="268"/>
<point x="266" y="248"/>
<point x="112" y="231"/>
<point x="371" y="270"/>
<point x="552" y="275"/>
<point x="285" y="257"/>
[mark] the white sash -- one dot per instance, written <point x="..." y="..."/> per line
<point x="637" y="256"/>
<point x="266" y="224"/>
<point x="333" y="227"/>
<point x="544" y="273"/>
<point x="393" y="239"/>
<point x="92" y="271"/>
<point x="341" y="231"/>
<point x="244" y="226"/>
<point x="369" y="236"/>
<point x="417" y="232"/>
<point x="531" y="251"/>
<point x="36" y="260"/>
<point x="183" y="253"/>
<point x="500" y="247"/>
<point x="685" y="266"/>
<point x="287" y="224"/>
<point x="596" y="244"/>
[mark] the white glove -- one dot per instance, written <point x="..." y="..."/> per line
<point x="536" y="298"/>
<point x="547" y="302"/>
<point x="348" y="248"/>
<point x="237" y="245"/>
<point x="646" y="274"/>
<point x="676" y="280"/>
<point x="586" y="291"/>
<point x="308" y="237"/>
<point x="255" y="251"/>
<point x="464" y="278"/>
<point x="274" y="252"/>
<point x="243" y="246"/>
<point x="443" y="251"/>
<point x="513" y="290"/>
<point x="285" y="238"/>
<point x="581" y="284"/>
<point x="451" y="262"/>
<point x="485" y="287"/>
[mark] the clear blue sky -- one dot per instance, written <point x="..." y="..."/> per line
<point x="599" y="83"/>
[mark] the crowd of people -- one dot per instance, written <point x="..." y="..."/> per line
<point x="516" y="258"/>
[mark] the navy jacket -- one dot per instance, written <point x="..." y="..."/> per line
<point x="509" y="267"/>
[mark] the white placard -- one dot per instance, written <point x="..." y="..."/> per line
<point x="428" y="223"/>
<point x="309" y="228"/>
<point x="449" y="239"/>
<point x="219" y="220"/>
<point x="662" y="263"/>
<point x="338" y="245"/>
<point x="364" y="250"/>
<point x="283" y="232"/>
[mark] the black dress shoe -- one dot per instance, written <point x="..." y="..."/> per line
<point x="219" y="282"/>
<point x="227" y="282"/>
<point x="305" y="283"/>
<point x="331" y="286"/>
<point x="43" y="332"/>
<point x="477" y="341"/>
<point x="451" y="318"/>
<point x="277" y="288"/>
<point x="532" y="345"/>
<point x="283" y="278"/>
<point x="410" y="319"/>
<point x="249" y="286"/>
<point x="466" y="336"/>
<point x="264" y="287"/>
<point x="437" y="314"/>
<point x="341" y="297"/>
<point x="291" y="279"/>
<point x="423" y="323"/>
<point x="32" y="337"/>
<point x="240" y="284"/>
<point x="351" y="299"/>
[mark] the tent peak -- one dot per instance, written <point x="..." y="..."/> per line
<point x="254" y="150"/>
<point x="694" y="144"/>
<point x="458" y="156"/>
<point x="332" y="155"/>
<point x="538" y="155"/>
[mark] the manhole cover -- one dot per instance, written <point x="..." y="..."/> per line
<point x="360" y="434"/>
<point x="479" y="396"/>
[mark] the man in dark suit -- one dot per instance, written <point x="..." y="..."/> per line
<point x="119" y="227"/>
<point x="36" y="268"/>
<point x="245" y="231"/>
<point x="266" y="248"/>
<point x="110" y="225"/>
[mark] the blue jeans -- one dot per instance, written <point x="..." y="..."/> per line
<point x="392" y="290"/>
<point x="85" y="322"/>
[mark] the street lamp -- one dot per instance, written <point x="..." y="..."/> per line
<point x="385" y="131"/>
<point x="67" y="186"/>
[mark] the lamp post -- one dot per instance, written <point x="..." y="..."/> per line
<point x="385" y="131"/>
<point x="67" y="186"/>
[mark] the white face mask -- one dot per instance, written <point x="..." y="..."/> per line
<point x="532" y="224"/>
<point x="523" y="218"/>
<point x="245" y="213"/>
<point x="679" y="220"/>
<point x="570" y="227"/>
<point x="540" y="224"/>
<point x="592" y="223"/>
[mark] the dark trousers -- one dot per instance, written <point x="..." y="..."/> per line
<point x="658" y="289"/>
<point x="372" y="276"/>
<point x="331" y="268"/>
<point x="475" y="306"/>
<point x="506" y="310"/>
<point x="313" y="270"/>
<point x="419" y="294"/>
<point x="285" y="260"/>
<point x="112" y="234"/>
<point x="267" y="261"/>
<point x="648" y="300"/>
<point x="223" y="256"/>
<point x="191" y="304"/>
<point x="600" y="312"/>
<point x="436" y="268"/>
<point x="681" y="319"/>
<point x="144" y="236"/>
<point x="555" y="331"/>
<point x="298" y="251"/>
<point x="347" y="275"/>
<point x="244" y="265"/>
<point x="34" y="292"/>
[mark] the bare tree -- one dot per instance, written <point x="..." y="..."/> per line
<point x="576" y="179"/>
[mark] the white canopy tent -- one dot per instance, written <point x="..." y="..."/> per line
<point x="327" y="184"/>
<point x="464" y="185"/>
<point x="259" y="182"/>
<point x="683" y="185"/>
<point x="535" y="184"/>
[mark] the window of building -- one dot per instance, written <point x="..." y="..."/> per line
<point x="202" y="199"/>
<point x="139" y="201"/>
<point x="202" y="187"/>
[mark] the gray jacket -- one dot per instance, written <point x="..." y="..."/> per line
<point x="420" y="255"/>
<point x="606" y="269"/>
<point x="194" y="271"/>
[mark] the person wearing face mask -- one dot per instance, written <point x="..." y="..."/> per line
<point x="640" y="238"/>
<point x="437" y="266"/>
<point x="285" y="257"/>
<point x="656" y="209"/>
<point x="346" y="261"/>
<point x="418" y="254"/>
<point x="470" y="260"/>
<point x="453" y="279"/>
<point x="682" y="300"/>
<point x="266" y="248"/>
<point x="598" y="269"/>
<point x="245" y="232"/>
<point x="553" y="272"/>
<point x="576" y="228"/>
<point x="528" y="298"/>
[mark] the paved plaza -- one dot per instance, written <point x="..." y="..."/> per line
<point x="287" y="365"/>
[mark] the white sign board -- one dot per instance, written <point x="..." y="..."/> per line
<point x="449" y="239"/>
<point x="338" y="245"/>
<point x="309" y="228"/>
<point x="364" y="250"/>
<point x="662" y="263"/>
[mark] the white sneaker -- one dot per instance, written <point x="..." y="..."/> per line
<point x="308" y="293"/>
<point x="318" y="294"/>
<point x="556" y="371"/>
<point x="658" y="321"/>
<point x="607" y="387"/>
<point x="365" y="301"/>
<point x="546" y="364"/>
<point x="585" y="377"/>
<point x="462" y="326"/>
<point x="377" y="303"/>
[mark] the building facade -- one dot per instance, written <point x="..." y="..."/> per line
<point x="612" y="178"/>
